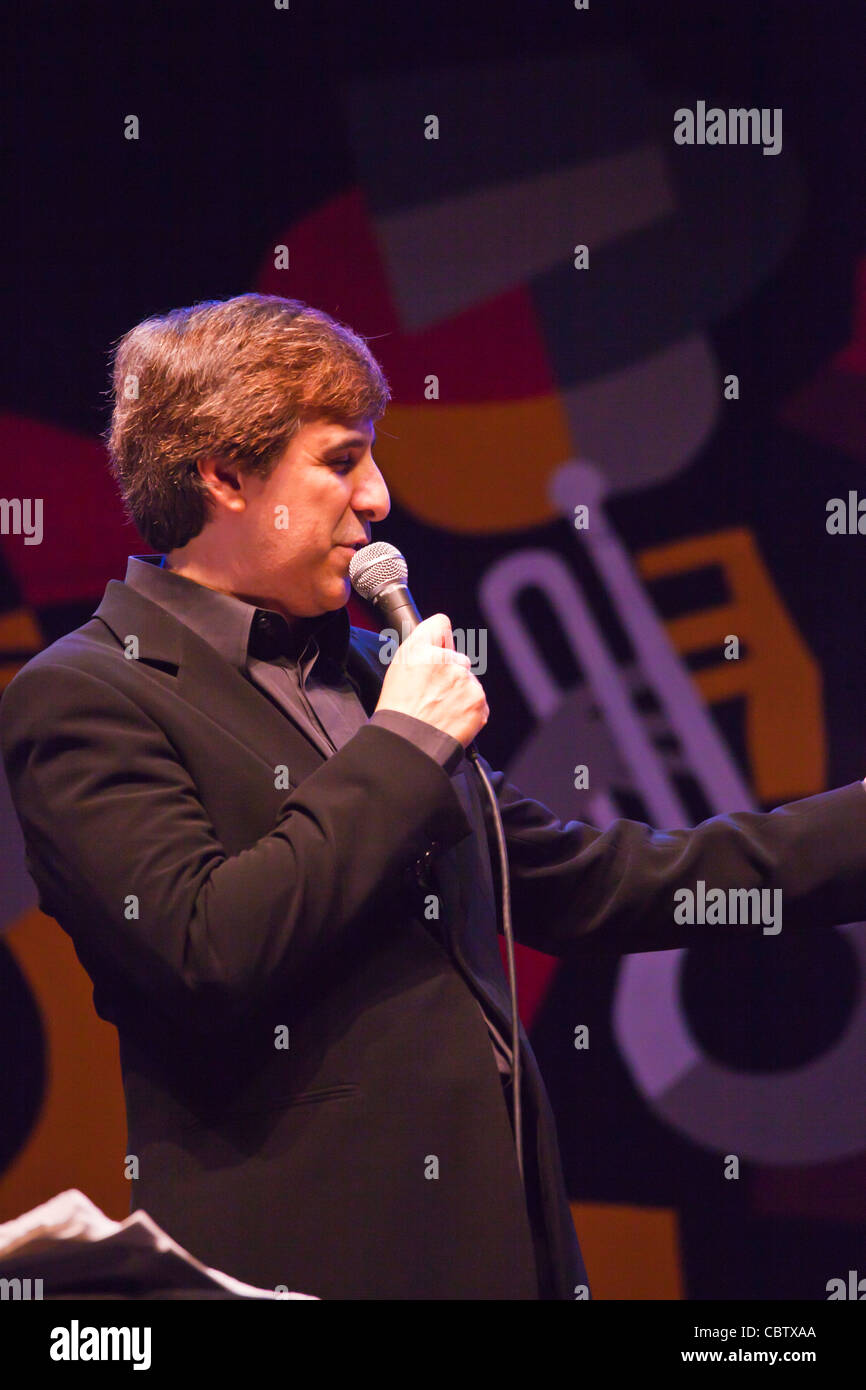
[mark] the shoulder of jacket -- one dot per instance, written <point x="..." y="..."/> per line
<point x="78" y="650"/>
<point x="366" y="642"/>
<point x="63" y="671"/>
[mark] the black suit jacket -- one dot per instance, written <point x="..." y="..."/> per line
<point x="214" y="909"/>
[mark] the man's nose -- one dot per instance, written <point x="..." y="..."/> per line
<point x="371" y="498"/>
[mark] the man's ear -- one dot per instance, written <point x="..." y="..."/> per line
<point x="223" y="480"/>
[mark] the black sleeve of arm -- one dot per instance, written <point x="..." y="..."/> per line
<point x="125" y="857"/>
<point x="574" y="885"/>
<point x="447" y="751"/>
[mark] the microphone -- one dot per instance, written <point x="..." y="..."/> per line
<point x="379" y="572"/>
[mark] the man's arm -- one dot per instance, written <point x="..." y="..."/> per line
<point x="573" y="885"/>
<point x="110" y="813"/>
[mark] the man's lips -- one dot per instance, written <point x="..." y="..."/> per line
<point x="350" y="550"/>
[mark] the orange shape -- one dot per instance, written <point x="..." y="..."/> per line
<point x="475" y="468"/>
<point x="79" y="1138"/>
<point x="630" y="1252"/>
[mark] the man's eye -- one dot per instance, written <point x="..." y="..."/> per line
<point x="343" y="464"/>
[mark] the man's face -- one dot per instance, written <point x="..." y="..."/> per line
<point x="323" y="495"/>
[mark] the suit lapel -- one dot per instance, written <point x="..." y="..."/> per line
<point x="217" y="689"/>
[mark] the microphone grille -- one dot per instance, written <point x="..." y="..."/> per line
<point x="375" y="566"/>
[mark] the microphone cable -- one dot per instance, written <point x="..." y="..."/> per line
<point x="379" y="574"/>
<point x="507" y="931"/>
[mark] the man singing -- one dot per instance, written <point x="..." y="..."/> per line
<point x="278" y="867"/>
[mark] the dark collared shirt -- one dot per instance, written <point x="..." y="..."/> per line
<point x="300" y="666"/>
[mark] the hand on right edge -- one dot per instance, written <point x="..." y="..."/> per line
<point x="428" y="679"/>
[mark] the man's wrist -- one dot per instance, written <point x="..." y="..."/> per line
<point x="445" y="750"/>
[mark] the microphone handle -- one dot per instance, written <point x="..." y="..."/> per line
<point x="397" y="607"/>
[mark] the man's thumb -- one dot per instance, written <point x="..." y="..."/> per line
<point x="436" y="630"/>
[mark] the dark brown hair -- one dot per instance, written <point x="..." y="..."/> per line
<point x="232" y="378"/>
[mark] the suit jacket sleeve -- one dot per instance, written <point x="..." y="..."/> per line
<point x="114" y="827"/>
<point x="574" y="886"/>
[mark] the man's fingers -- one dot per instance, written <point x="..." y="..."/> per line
<point x="436" y="629"/>
<point x="429" y="654"/>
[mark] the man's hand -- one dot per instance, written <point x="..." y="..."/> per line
<point x="428" y="679"/>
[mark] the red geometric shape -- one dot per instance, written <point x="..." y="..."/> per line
<point x="535" y="972"/>
<point x="86" y="538"/>
<point x="491" y="352"/>
<point x="831" y="408"/>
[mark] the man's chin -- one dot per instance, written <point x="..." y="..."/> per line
<point x="338" y="599"/>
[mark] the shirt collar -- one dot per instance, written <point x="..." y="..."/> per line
<point x="235" y="628"/>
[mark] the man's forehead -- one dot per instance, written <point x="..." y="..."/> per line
<point x="341" y="432"/>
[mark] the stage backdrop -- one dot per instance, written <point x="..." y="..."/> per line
<point x="627" y="351"/>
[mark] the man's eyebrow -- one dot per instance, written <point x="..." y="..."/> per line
<point x="351" y="441"/>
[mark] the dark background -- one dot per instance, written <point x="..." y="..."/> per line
<point x="244" y="132"/>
